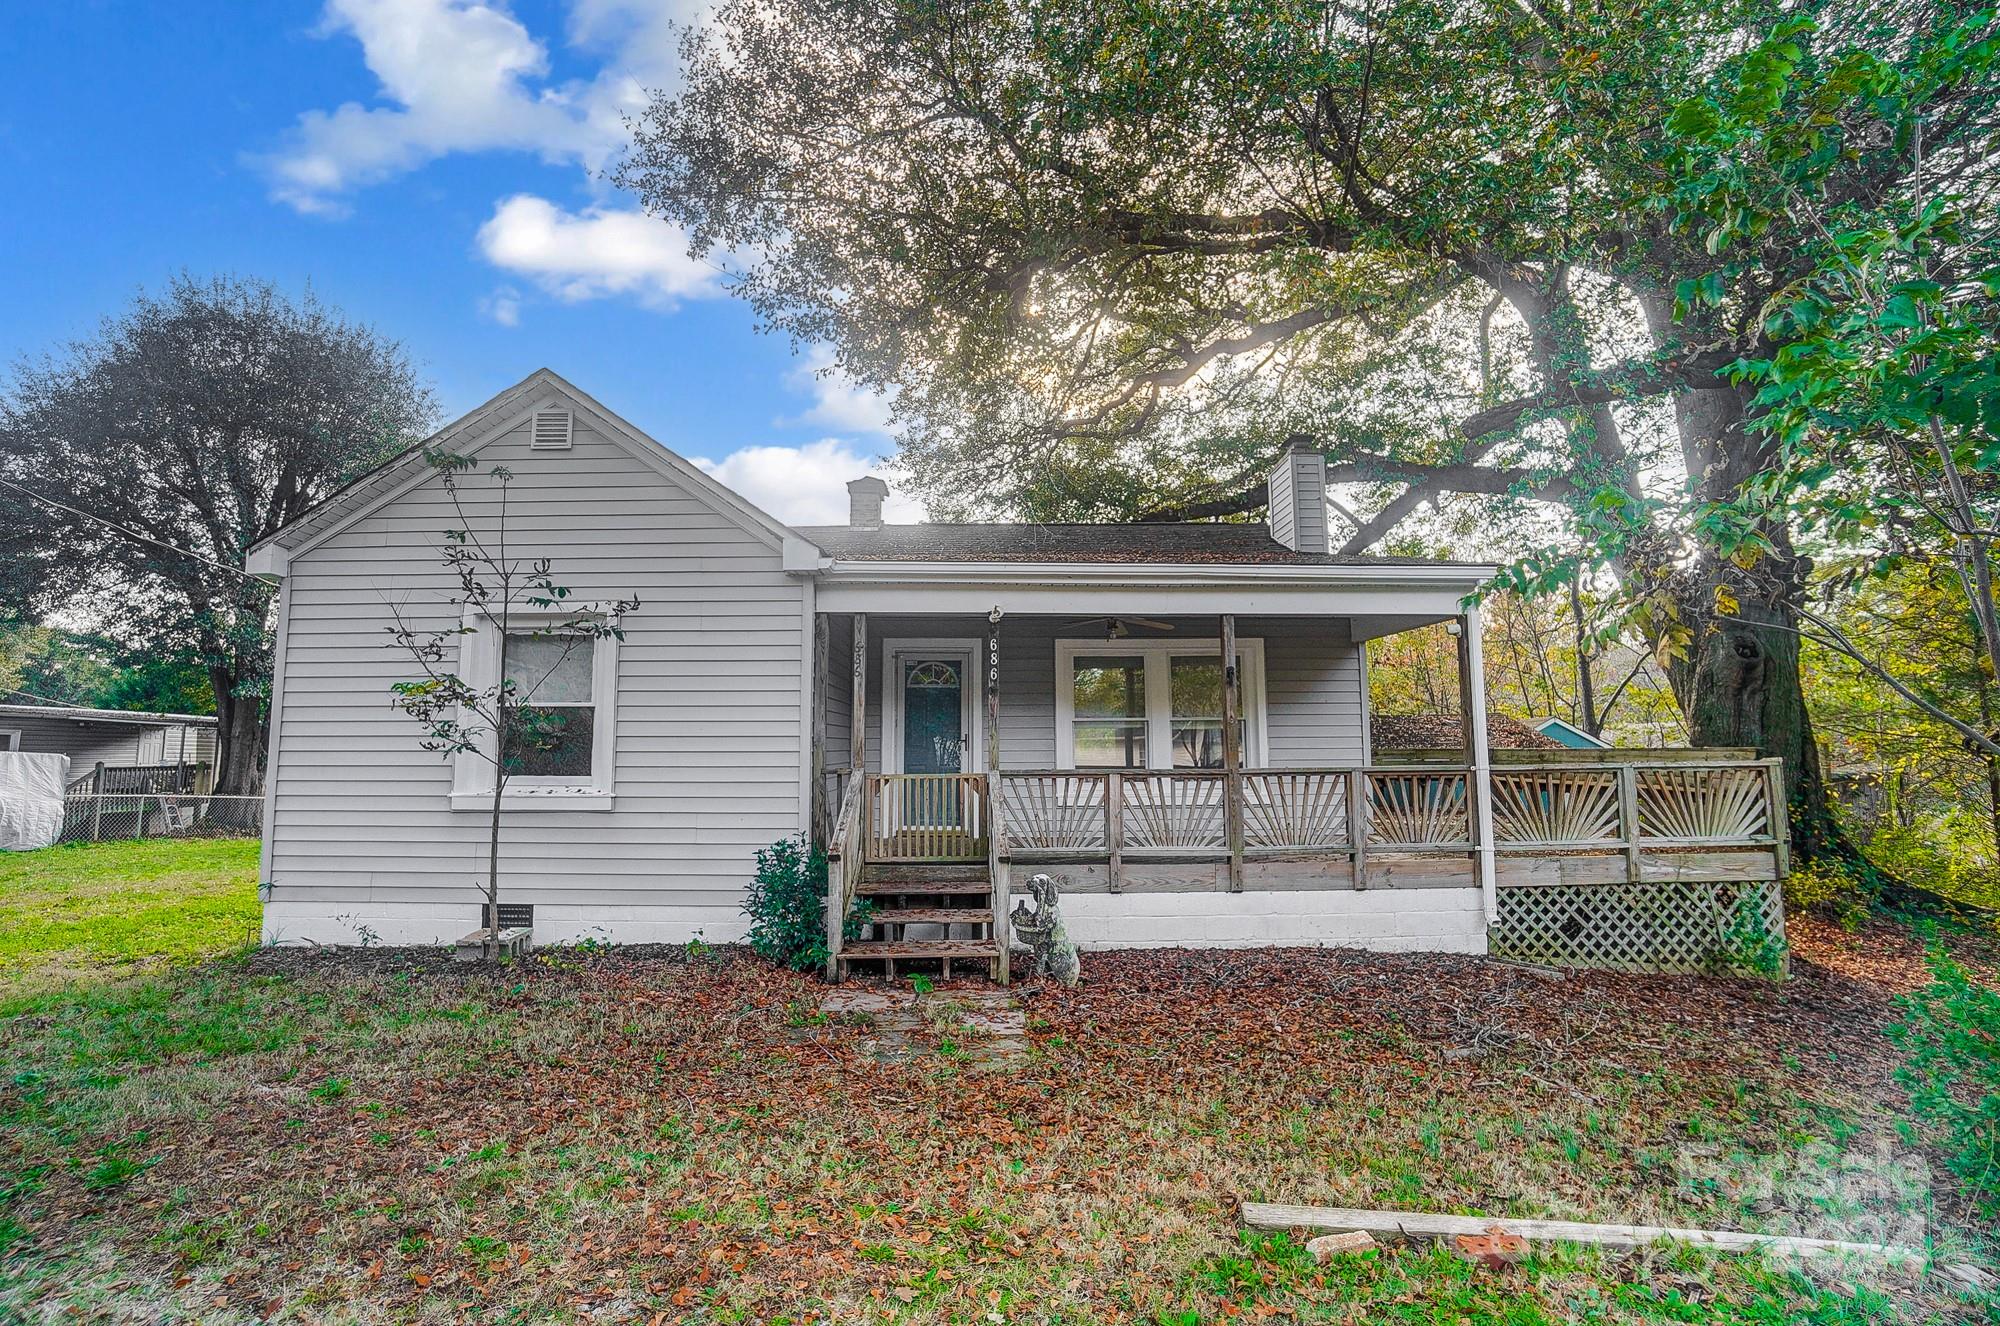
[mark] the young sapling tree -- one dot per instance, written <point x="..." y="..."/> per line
<point x="536" y="715"/>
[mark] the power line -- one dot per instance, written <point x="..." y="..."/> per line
<point x="134" y="534"/>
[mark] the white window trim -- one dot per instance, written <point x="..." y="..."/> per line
<point x="10" y="738"/>
<point x="473" y="775"/>
<point x="967" y="649"/>
<point x="1159" y="701"/>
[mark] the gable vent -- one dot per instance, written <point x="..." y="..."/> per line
<point x="551" y="430"/>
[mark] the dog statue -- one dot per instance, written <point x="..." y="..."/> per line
<point x="1047" y="937"/>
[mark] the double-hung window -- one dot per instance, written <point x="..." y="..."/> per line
<point x="552" y="718"/>
<point x="1153" y="704"/>
<point x="558" y="745"/>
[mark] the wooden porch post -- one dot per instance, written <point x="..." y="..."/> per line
<point x="822" y="656"/>
<point x="993" y="710"/>
<point x="998" y="883"/>
<point x="858" y="737"/>
<point x="1232" y="755"/>
<point x="1479" y="777"/>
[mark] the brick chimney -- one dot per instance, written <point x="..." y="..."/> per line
<point x="864" y="502"/>
<point x="1298" y="499"/>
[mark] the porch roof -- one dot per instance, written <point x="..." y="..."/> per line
<point x="1205" y="542"/>
<point x="1123" y="569"/>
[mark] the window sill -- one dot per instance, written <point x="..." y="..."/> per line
<point x="554" y="798"/>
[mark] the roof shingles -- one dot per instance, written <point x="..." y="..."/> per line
<point x="1204" y="541"/>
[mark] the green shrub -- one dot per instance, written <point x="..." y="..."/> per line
<point x="1950" y="1035"/>
<point x="1825" y="887"/>
<point x="1748" y="945"/>
<point x="787" y="905"/>
<point x="1944" y="857"/>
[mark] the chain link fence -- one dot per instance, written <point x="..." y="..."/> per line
<point x="90" y="817"/>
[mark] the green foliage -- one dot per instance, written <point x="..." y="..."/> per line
<point x="1828" y="887"/>
<point x="1950" y="1035"/>
<point x="787" y="905"/>
<point x="205" y="416"/>
<point x="1748" y="944"/>
<point x="1944" y="855"/>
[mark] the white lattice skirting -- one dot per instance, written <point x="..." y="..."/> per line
<point x="1671" y="927"/>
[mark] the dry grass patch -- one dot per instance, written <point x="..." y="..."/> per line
<point x="656" y="1136"/>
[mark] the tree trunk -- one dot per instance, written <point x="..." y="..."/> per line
<point x="241" y="725"/>
<point x="1740" y="686"/>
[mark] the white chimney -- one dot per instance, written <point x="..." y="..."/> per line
<point x="864" y="502"/>
<point x="1298" y="499"/>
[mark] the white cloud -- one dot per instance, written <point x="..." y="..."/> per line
<point x="464" y="76"/>
<point x="503" y="305"/>
<point x="807" y="485"/>
<point x="459" y="76"/>
<point x="838" y="403"/>
<point x="596" y="252"/>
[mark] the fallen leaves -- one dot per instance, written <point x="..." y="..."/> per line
<point x="644" y="1127"/>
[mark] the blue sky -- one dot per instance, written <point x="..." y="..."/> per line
<point x="430" y="166"/>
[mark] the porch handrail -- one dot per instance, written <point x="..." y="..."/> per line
<point x="846" y="854"/>
<point x="1669" y="805"/>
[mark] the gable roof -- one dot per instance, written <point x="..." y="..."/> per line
<point x="471" y="432"/>
<point x="1194" y="541"/>
<point x="1565" y="733"/>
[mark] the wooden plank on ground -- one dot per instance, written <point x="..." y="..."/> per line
<point x="1268" y="1215"/>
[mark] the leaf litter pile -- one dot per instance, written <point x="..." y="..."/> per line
<point x="654" y="1136"/>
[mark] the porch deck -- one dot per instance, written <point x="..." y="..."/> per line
<point x="1638" y="865"/>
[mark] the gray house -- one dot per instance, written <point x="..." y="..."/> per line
<point x="116" y="737"/>
<point x="1171" y="720"/>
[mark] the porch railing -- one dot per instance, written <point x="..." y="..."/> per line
<point x="1184" y="811"/>
<point x="845" y="855"/>
<point x="1554" y="808"/>
<point x="1705" y="837"/>
<point x="926" y="817"/>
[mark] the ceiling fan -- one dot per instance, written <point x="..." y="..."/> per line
<point x="1117" y="628"/>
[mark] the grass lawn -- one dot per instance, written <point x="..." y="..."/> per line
<point x="95" y="909"/>
<point x="684" y="1136"/>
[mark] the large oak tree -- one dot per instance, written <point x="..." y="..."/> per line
<point x="1113" y="256"/>
<point x="143" y="462"/>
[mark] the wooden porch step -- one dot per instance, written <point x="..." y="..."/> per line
<point x="875" y="872"/>
<point x="918" y="948"/>
<point x="931" y="916"/>
<point x="927" y="895"/>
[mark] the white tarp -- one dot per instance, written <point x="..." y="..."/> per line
<point x="31" y="799"/>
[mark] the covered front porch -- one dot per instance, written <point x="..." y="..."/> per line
<point x="1208" y="778"/>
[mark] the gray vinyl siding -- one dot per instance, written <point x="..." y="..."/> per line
<point x="838" y="694"/>
<point x="112" y="743"/>
<point x="1312" y="683"/>
<point x="708" y="746"/>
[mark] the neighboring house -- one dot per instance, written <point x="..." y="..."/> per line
<point x="115" y="737"/>
<point x="1015" y="698"/>
<point x="1567" y="734"/>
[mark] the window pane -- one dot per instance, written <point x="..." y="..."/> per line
<point x="1110" y="687"/>
<point x="1197" y="745"/>
<point x="1115" y="743"/>
<point x="1196" y="696"/>
<point x="545" y="742"/>
<point x="1197" y="687"/>
<point x="550" y="669"/>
